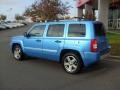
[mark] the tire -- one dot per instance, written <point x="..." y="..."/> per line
<point x="72" y="63"/>
<point x="17" y="52"/>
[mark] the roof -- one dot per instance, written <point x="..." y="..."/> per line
<point x="67" y="21"/>
<point x="51" y="21"/>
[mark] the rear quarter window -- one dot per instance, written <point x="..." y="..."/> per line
<point x="99" y="29"/>
<point x="76" y="30"/>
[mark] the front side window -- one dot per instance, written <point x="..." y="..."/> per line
<point x="55" y="30"/>
<point x="37" y="31"/>
<point x="76" y="30"/>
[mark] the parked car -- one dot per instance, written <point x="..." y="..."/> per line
<point x="19" y="24"/>
<point x="8" y="25"/>
<point x="2" y="27"/>
<point x="75" y="44"/>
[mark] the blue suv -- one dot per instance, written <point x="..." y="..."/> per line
<point x="73" y="43"/>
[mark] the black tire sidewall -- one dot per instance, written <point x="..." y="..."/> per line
<point x="21" y="53"/>
<point x="79" y="63"/>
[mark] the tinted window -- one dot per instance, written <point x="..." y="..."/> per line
<point x="56" y="30"/>
<point x="37" y="31"/>
<point x="76" y="30"/>
<point x="99" y="29"/>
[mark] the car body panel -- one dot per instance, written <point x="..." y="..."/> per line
<point x="51" y="47"/>
<point x="33" y="49"/>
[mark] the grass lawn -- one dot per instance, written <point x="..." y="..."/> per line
<point x="114" y="40"/>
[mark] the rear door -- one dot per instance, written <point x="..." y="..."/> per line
<point x="100" y="35"/>
<point x="54" y="41"/>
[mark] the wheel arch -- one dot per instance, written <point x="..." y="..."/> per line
<point x="64" y="51"/>
<point x="14" y="44"/>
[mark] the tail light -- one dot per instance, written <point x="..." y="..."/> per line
<point x="94" y="45"/>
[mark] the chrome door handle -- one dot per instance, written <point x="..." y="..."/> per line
<point x="38" y="40"/>
<point x="57" y="41"/>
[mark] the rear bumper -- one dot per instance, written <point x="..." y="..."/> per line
<point x="90" y="58"/>
<point x="93" y="57"/>
<point x="105" y="56"/>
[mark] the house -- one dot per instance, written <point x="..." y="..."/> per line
<point x="108" y="11"/>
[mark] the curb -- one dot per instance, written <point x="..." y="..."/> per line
<point x="115" y="57"/>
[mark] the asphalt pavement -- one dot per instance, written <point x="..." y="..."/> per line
<point x="37" y="74"/>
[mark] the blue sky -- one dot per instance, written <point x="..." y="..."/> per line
<point x="12" y="7"/>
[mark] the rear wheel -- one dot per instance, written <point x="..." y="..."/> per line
<point x="71" y="63"/>
<point x="17" y="52"/>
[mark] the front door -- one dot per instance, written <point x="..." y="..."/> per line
<point x="33" y="41"/>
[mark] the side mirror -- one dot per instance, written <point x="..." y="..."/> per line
<point x="26" y="34"/>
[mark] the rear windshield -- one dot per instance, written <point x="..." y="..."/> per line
<point x="99" y="29"/>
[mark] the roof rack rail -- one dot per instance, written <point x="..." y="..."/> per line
<point x="49" y="20"/>
<point x="79" y="18"/>
<point x="83" y="18"/>
<point x="57" y="20"/>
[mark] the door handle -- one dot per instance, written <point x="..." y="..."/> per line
<point x="57" y="41"/>
<point x="38" y="40"/>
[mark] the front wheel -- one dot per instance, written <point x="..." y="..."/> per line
<point x="71" y="63"/>
<point x="17" y="52"/>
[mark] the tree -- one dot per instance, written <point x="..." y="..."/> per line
<point x="3" y="17"/>
<point x="47" y="9"/>
<point x="19" y="17"/>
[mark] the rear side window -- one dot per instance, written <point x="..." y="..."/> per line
<point x="99" y="29"/>
<point x="76" y="30"/>
<point x="55" y="30"/>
